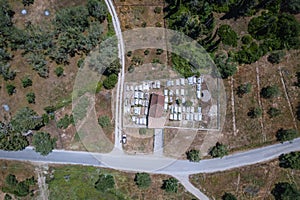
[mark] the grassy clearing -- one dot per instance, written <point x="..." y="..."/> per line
<point x="252" y="182"/>
<point x="77" y="182"/>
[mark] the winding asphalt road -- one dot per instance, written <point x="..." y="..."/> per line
<point x="155" y="164"/>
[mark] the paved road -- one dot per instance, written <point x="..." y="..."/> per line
<point x="153" y="164"/>
<point x="120" y="86"/>
<point x="160" y="165"/>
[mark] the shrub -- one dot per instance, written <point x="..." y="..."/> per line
<point x="219" y="150"/>
<point x="290" y="160"/>
<point x="247" y="39"/>
<point x="157" y="10"/>
<point x="159" y="51"/>
<point x="244" y="89"/>
<point x="170" y="185"/>
<point x="275" y="57"/>
<point x="11" y="89"/>
<point x="283" y="135"/>
<point x="144" y="24"/>
<point x="142" y="131"/>
<point x="105" y="182"/>
<point x="26" y="82"/>
<point x="129" y="54"/>
<point x="142" y="180"/>
<point x="30" y="97"/>
<point x="274" y="112"/>
<point x="193" y="155"/>
<point x="284" y="190"/>
<point x="131" y="69"/>
<point x="104" y="121"/>
<point x="65" y="121"/>
<point x="80" y="63"/>
<point x="157" y="24"/>
<point x="270" y="92"/>
<point x="59" y="71"/>
<point x="146" y="52"/>
<point x="228" y="196"/>
<point x="255" y="112"/>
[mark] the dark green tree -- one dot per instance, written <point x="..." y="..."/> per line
<point x="219" y="150"/>
<point x="43" y="143"/>
<point x="142" y="180"/>
<point x="105" y="182"/>
<point x="104" y="121"/>
<point x="285" y="191"/>
<point x="193" y="155"/>
<point x="270" y="92"/>
<point x="30" y="97"/>
<point x="7" y="197"/>
<point x="290" y="160"/>
<point x="227" y="35"/>
<point x="283" y="135"/>
<point x="97" y="9"/>
<point x="26" y="82"/>
<point x="170" y="185"/>
<point x="228" y="196"/>
<point x="110" y="81"/>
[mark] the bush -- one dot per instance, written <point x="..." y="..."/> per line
<point x="290" y="160"/>
<point x="157" y="10"/>
<point x="227" y="35"/>
<point x="105" y="182"/>
<point x="129" y="54"/>
<point x="270" y="92"/>
<point x="11" y="89"/>
<point x="247" y="39"/>
<point x="80" y="63"/>
<point x="255" y="112"/>
<point x="285" y="191"/>
<point x="104" y="121"/>
<point x="131" y="69"/>
<point x="283" y="135"/>
<point x="228" y="196"/>
<point x="146" y="52"/>
<point x="244" y="89"/>
<point x="274" y="112"/>
<point x="59" y="71"/>
<point x="193" y="155"/>
<point x="26" y="82"/>
<point x="142" y="180"/>
<point x="170" y="185"/>
<point x="43" y="143"/>
<point x="142" y="131"/>
<point x="30" y="97"/>
<point x="275" y="57"/>
<point x="159" y="51"/>
<point x="157" y="24"/>
<point x="110" y="81"/>
<point x="46" y="118"/>
<point x="65" y="121"/>
<point x="219" y="150"/>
